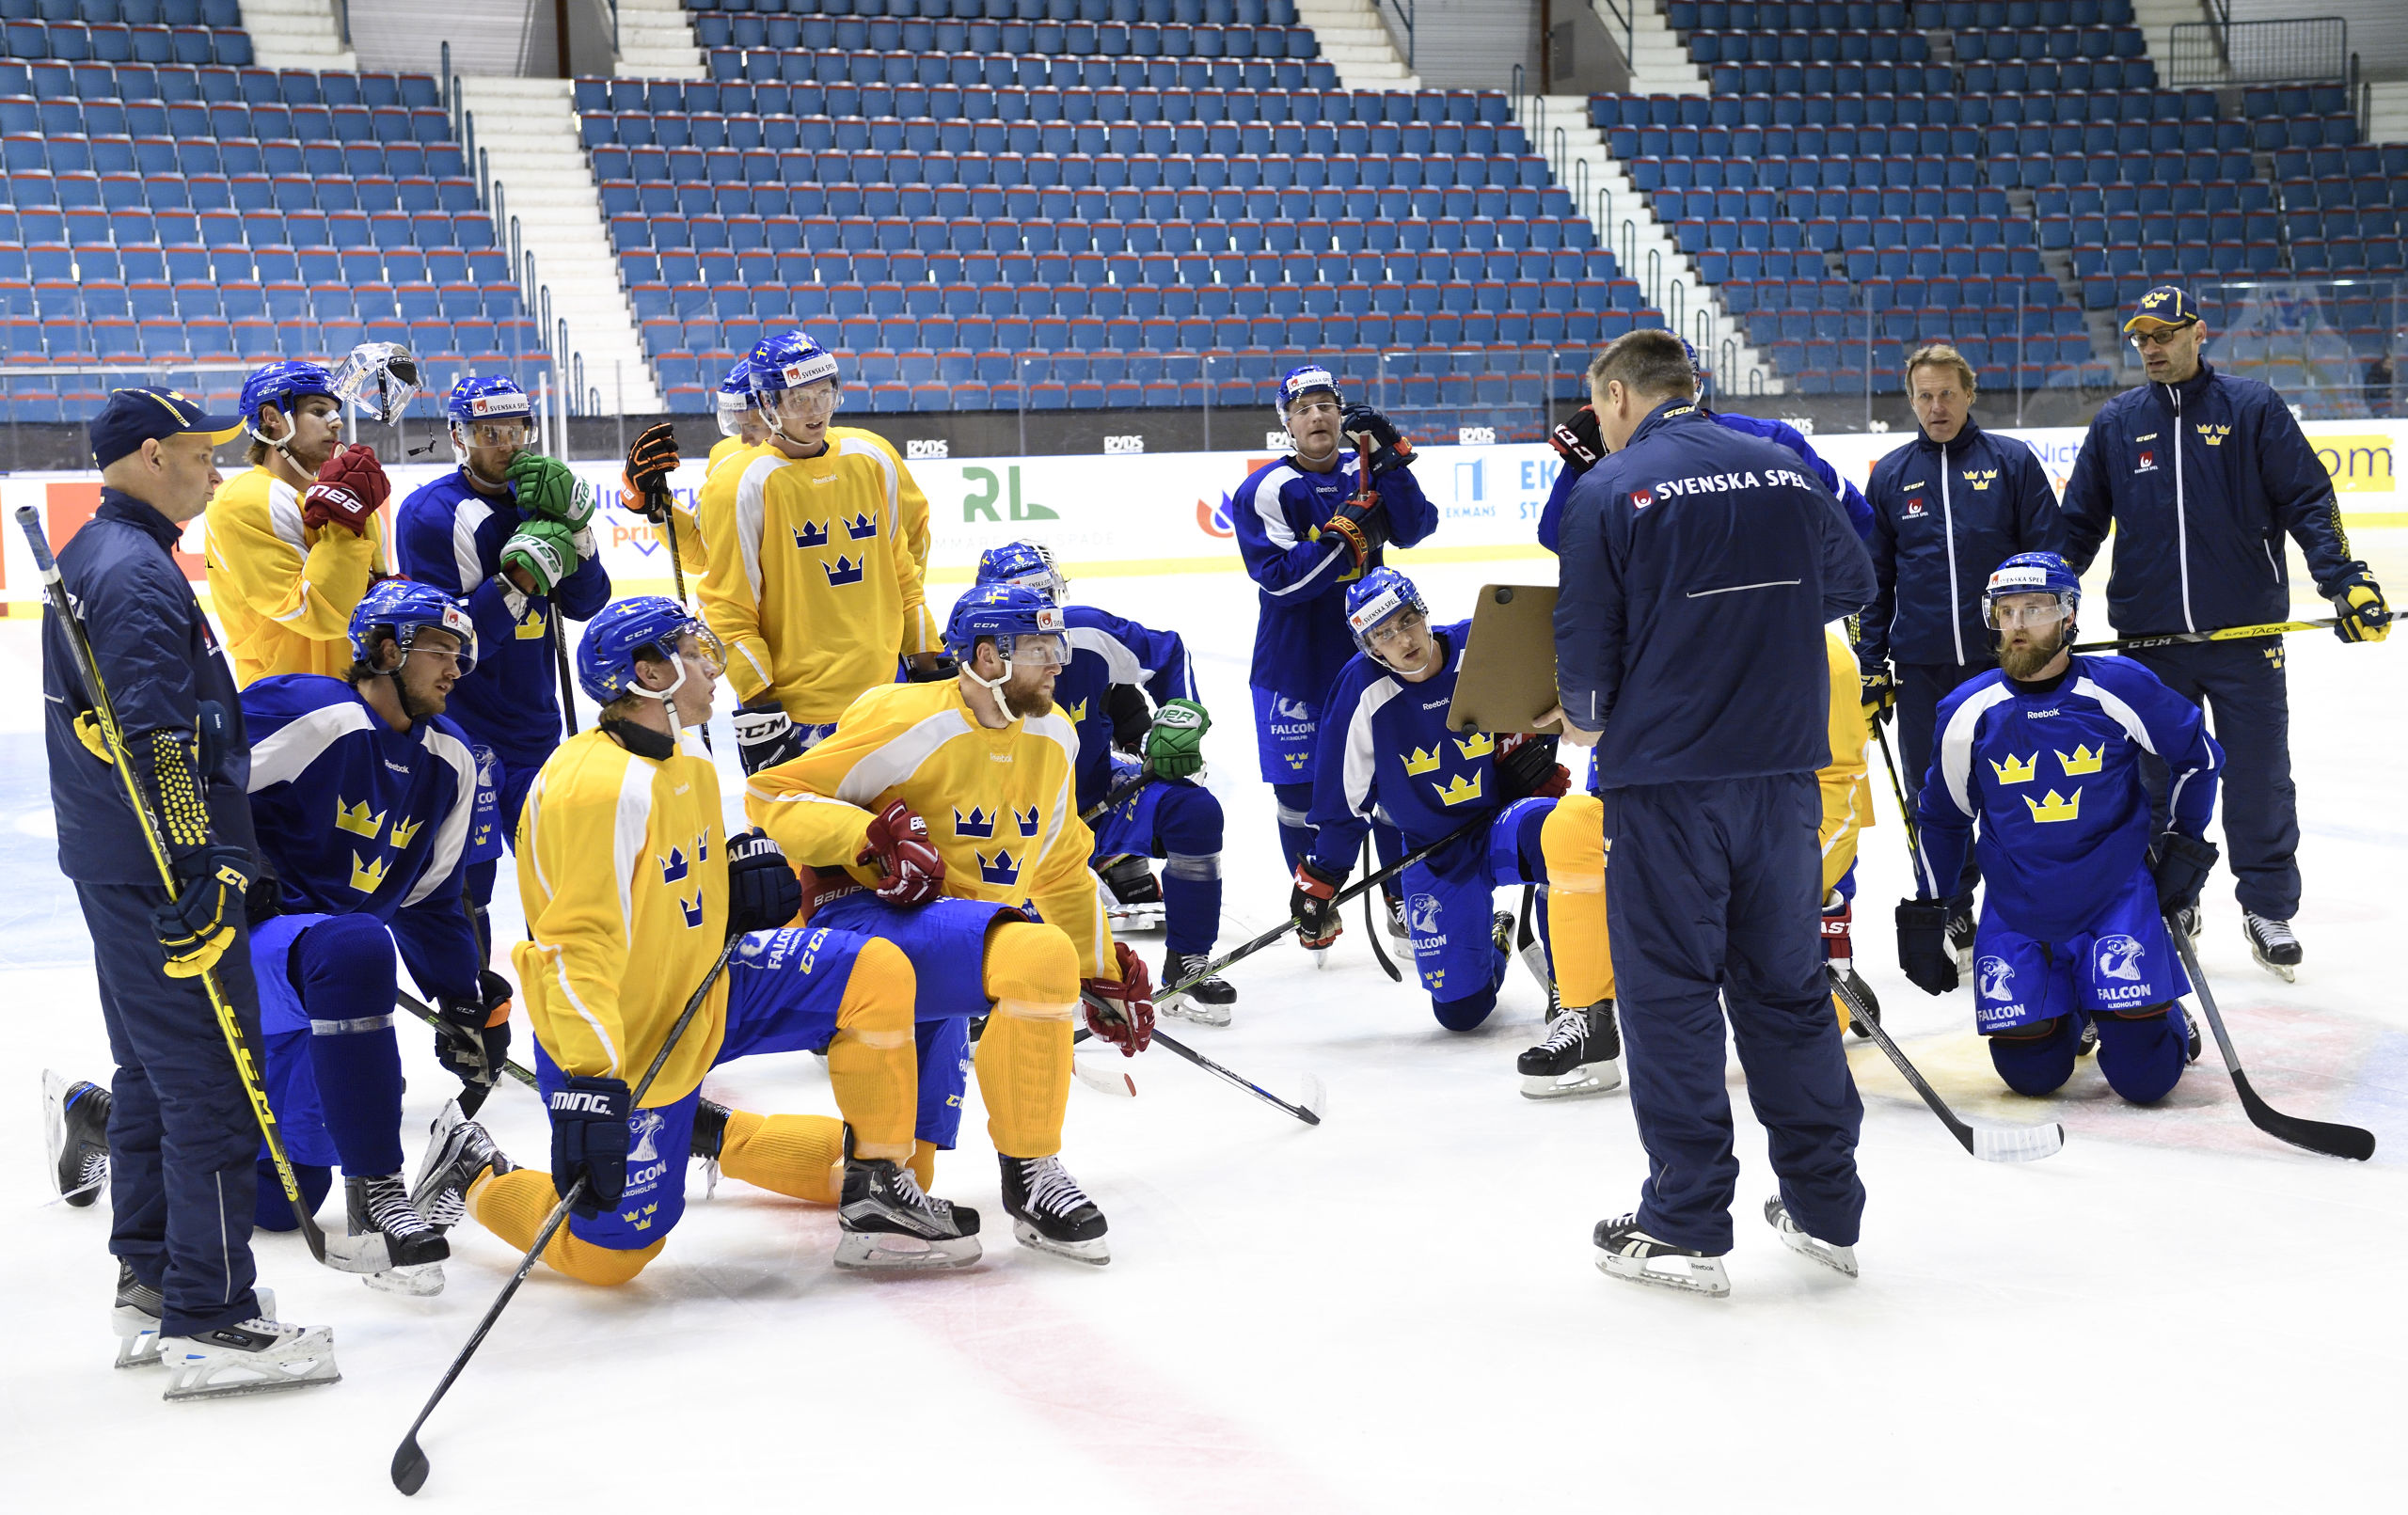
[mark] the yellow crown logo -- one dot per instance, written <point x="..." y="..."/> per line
<point x="2083" y="760"/>
<point x="356" y="819"/>
<point x="368" y="875"/>
<point x="1982" y="480"/>
<point x="406" y="832"/>
<point x="2016" y="769"/>
<point x="1420" y="762"/>
<point x="534" y="627"/>
<point x="2053" y="807"/>
<point x="1465" y="786"/>
<point x="1078" y="712"/>
<point x="1480" y="745"/>
<point x="2212" y="434"/>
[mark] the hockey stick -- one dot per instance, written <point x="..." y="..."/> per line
<point x="2174" y="639"/>
<point x="560" y="661"/>
<point x="1118" y="796"/>
<point x="1906" y="811"/>
<point x="1991" y="1143"/>
<point x="1307" y="1110"/>
<point x="2331" y="1140"/>
<point x="1371" y="929"/>
<point x="342" y="1253"/>
<point x="409" y="1460"/>
<point x="427" y="1013"/>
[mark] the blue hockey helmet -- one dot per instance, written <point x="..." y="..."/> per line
<point x="399" y="609"/>
<point x="1029" y="564"/>
<point x="1021" y="622"/>
<point x="788" y="361"/>
<point x="734" y="399"/>
<point x="479" y="397"/>
<point x="1377" y="598"/>
<point x="1697" y="365"/>
<point x="646" y="626"/>
<point x="2032" y="572"/>
<point x="1298" y="382"/>
<point x="279" y="384"/>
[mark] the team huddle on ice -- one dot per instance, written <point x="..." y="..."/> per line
<point x="949" y="819"/>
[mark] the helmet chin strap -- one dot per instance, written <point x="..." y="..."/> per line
<point x="994" y="686"/>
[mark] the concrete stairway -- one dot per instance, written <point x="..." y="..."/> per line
<point x="296" y="34"/>
<point x="656" y="41"/>
<point x="1661" y="65"/>
<point x="1356" y="44"/>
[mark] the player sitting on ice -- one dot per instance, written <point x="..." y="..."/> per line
<point x="1117" y="667"/>
<point x="2046" y="753"/>
<point x="1386" y="751"/>
<point x="631" y="889"/>
<point x="987" y="760"/>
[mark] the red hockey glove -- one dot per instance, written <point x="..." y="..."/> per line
<point x="898" y="845"/>
<point x="351" y="487"/>
<point x="1311" y="903"/>
<point x="1123" y="1013"/>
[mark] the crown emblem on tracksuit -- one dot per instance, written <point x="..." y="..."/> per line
<point x="1027" y="823"/>
<point x="2015" y="769"/>
<point x="863" y="525"/>
<point x="356" y="819"/>
<point x="1983" y="479"/>
<point x="672" y="867"/>
<point x="2053" y="807"/>
<point x="979" y="822"/>
<point x="810" y="534"/>
<point x="2213" y="434"/>
<point x="692" y="909"/>
<point x="1478" y="746"/>
<point x="406" y="832"/>
<point x="532" y="627"/>
<point x="640" y="1218"/>
<point x="368" y="874"/>
<point x="1420" y="762"/>
<point x="2081" y="760"/>
<point x="845" y="570"/>
<point x="1005" y="869"/>
<point x="1078" y="712"/>
<point x="1465" y="786"/>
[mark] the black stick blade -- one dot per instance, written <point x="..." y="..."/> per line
<point x="2324" y="1137"/>
<point x="409" y="1465"/>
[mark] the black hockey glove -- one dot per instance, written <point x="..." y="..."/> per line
<point x="652" y="457"/>
<point x="1526" y="766"/>
<point x="1389" y="451"/>
<point x="765" y="736"/>
<point x="1578" y="442"/>
<point x="590" y="1141"/>
<point x="474" y="1039"/>
<point x="2181" y="869"/>
<point x="936" y="672"/>
<point x="1877" y="693"/>
<point x="1312" y="902"/>
<point x="762" y="891"/>
<point x="1922" y="945"/>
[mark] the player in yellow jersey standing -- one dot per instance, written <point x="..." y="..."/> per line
<point x="988" y="760"/>
<point x="631" y="891"/>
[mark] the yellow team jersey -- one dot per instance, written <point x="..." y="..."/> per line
<point x="1848" y="793"/>
<point x="1000" y="805"/>
<point x="284" y="591"/>
<point x="623" y="871"/>
<point x="812" y="583"/>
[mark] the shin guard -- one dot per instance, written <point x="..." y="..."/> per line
<point x="1573" y="840"/>
<point x="874" y="1059"/>
<point x="801" y="1157"/>
<point x="1024" y="1058"/>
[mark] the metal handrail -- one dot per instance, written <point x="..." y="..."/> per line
<point x="445" y="53"/>
<point x="1627" y="266"/>
<point x="1405" y="10"/>
<point x="484" y="182"/>
<point x="1656" y="277"/>
<point x="1625" y="11"/>
<point x="1677" y="312"/>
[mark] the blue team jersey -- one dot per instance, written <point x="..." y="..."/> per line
<point x="1300" y="639"/>
<point x="2053" y="774"/>
<point x="1385" y="743"/>
<point x="1104" y="651"/>
<point x="356" y="818"/>
<point x="451" y="536"/>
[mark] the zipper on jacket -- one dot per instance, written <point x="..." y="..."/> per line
<point x="1948" y="531"/>
<point x="2182" y="522"/>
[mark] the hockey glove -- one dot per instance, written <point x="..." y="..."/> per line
<point x="2363" y="615"/>
<point x="1578" y="442"/>
<point x="590" y="1141"/>
<point x="764" y="736"/>
<point x="1922" y="945"/>
<point x="2181" y="869"/>
<point x="1312" y="903"/>
<point x="1123" y="1013"/>
<point x="762" y="891"/>
<point x="898" y="845"/>
<point x="1526" y="766"/>
<point x="1389" y="451"/>
<point x="545" y="551"/>
<point x="1175" y="742"/>
<point x="936" y="671"/>
<point x="1878" y="692"/>
<point x="651" y="459"/>
<point x="197" y="925"/>
<point x="350" y="488"/>
<point x="474" y="1037"/>
<point x="544" y="487"/>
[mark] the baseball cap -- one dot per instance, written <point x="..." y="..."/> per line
<point x="134" y="417"/>
<point x="2164" y="306"/>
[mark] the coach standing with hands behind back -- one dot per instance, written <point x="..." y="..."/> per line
<point x="1700" y="567"/>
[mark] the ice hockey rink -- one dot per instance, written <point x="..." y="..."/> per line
<point x="1397" y="1311"/>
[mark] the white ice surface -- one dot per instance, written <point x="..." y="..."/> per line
<point x="1395" y="1312"/>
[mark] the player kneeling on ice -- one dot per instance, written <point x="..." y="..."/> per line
<point x="1387" y="751"/>
<point x="631" y="891"/>
<point x="1132" y="687"/>
<point x="2046" y="753"/>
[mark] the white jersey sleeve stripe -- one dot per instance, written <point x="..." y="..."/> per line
<point x="285" y="754"/>
<point x="444" y="853"/>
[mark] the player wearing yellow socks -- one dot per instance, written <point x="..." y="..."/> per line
<point x="1848" y="810"/>
<point x="630" y="891"/>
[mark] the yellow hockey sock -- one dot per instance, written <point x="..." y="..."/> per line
<point x="1032" y="975"/>
<point x="923" y="1165"/>
<point x="874" y="1060"/>
<point x="512" y="1207"/>
<point x="1573" y="841"/>
<point x="801" y="1157"/>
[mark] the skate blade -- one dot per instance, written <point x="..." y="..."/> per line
<point x="358" y="1255"/>
<point x="1588" y="1078"/>
<point x="2287" y="974"/>
<point x="1186" y="1009"/>
<point x="1097" y="1251"/>
<point x="297" y="1365"/>
<point x="1319" y="955"/>
<point x="1837" y="1258"/>
<point x="890" y="1251"/>
<point x="1690" y="1275"/>
<point x="421" y="1281"/>
<point x="137" y="1333"/>
<point x="1103" y="1078"/>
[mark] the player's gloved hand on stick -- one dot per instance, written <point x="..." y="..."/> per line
<point x="2181" y="869"/>
<point x="1361" y="523"/>
<point x="1526" y="766"/>
<point x="2364" y="616"/>
<point x="351" y="487"/>
<point x="762" y="891"/>
<point x="1879" y="694"/>
<point x="652" y="457"/>
<point x="1311" y="903"/>
<point x="936" y="671"/>
<point x="1578" y="441"/>
<point x="590" y="1141"/>
<point x="197" y="925"/>
<point x="1175" y="742"/>
<point x="474" y="1039"/>
<point x="897" y="843"/>
<point x="765" y="736"/>
<point x="545" y="551"/>
<point x="1123" y="1013"/>
<point x="1922" y="945"/>
<point x="1389" y="451"/>
<point x="546" y="487"/>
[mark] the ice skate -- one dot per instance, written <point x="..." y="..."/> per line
<point x="1208" y="1003"/>
<point x="2192" y="1045"/>
<point x="1051" y="1212"/>
<point x="2088" y="1042"/>
<point x="259" y="1356"/>
<point x="75" y="1117"/>
<point x="458" y="1153"/>
<point x="1838" y="1259"/>
<point x="891" y="1226"/>
<point x="1397" y="928"/>
<point x="135" y="1319"/>
<point x="1625" y="1252"/>
<point x="710" y="1134"/>
<point x="1132" y="896"/>
<point x="2273" y="944"/>
<point x="1581" y="1055"/>
<point x="414" y="1251"/>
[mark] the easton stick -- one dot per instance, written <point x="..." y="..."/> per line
<point x="2333" y="1141"/>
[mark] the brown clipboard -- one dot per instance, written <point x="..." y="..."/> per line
<point x="1507" y="677"/>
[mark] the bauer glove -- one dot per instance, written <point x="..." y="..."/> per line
<point x="762" y="891"/>
<point x="1922" y="945"/>
<point x="2363" y="615"/>
<point x="1122" y="1013"/>
<point x="651" y="459"/>
<point x="544" y="487"/>
<point x="897" y="845"/>
<point x="351" y="487"/>
<point x="1175" y="742"/>
<point x="590" y="1141"/>
<point x="1313" y="903"/>
<point x="545" y="551"/>
<point x="473" y="1039"/>
<point x="212" y="884"/>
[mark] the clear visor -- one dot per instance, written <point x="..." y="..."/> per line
<point x="2006" y="612"/>
<point x="1313" y="403"/>
<point x="733" y="409"/>
<point x="1391" y="632"/>
<point x="517" y="433"/>
<point x="379" y="378"/>
<point x="706" y="649"/>
<point x="1049" y="583"/>
<point x="1036" y="649"/>
<point x="447" y="645"/>
<point x="811" y="404"/>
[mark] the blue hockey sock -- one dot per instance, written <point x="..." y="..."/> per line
<point x="1466" y="1013"/>
<point x="273" y="1211"/>
<point x="2037" y="1064"/>
<point x="343" y="966"/>
<point x="2142" y="1057"/>
<point x="1295" y="805"/>
<point x="1187" y="828"/>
